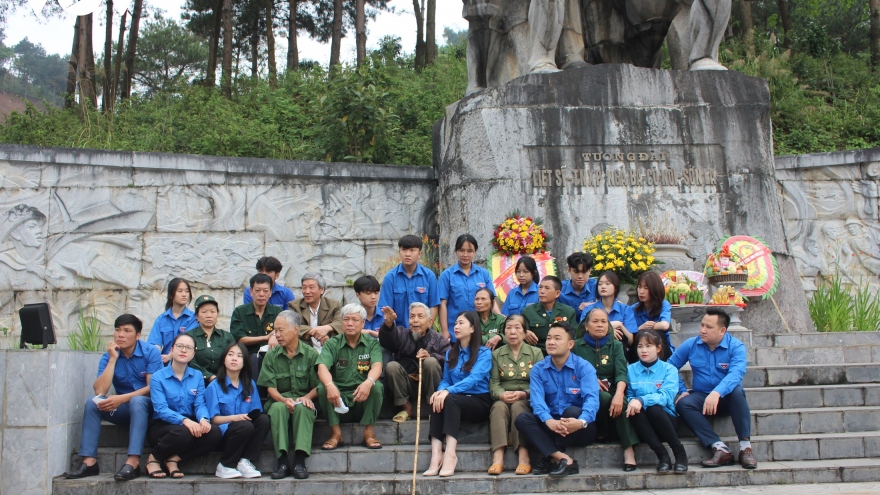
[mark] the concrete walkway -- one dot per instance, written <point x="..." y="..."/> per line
<point x="813" y="489"/>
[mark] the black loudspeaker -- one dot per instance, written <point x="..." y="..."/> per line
<point x="36" y="325"/>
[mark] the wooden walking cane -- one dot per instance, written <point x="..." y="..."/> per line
<point x="418" y="427"/>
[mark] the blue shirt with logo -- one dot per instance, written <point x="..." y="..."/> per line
<point x="167" y="327"/>
<point x="572" y="298"/>
<point x="459" y="290"/>
<point x="655" y="385"/>
<point x="619" y="312"/>
<point x="641" y="316"/>
<point x="174" y="400"/>
<point x="231" y="402"/>
<point x="553" y="390"/>
<point x="516" y="300"/>
<point x="719" y="370"/>
<point x="459" y="381"/>
<point x="400" y="290"/>
<point x="130" y="373"/>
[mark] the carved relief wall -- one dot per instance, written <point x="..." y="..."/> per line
<point x="104" y="232"/>
<point x="832" y="222"/>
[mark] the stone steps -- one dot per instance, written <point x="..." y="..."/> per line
<point x="817" y="339"/>
<point x="807" y="374"/>
<point x="867" y="394"/>
<point x="589" y="479"/>
<point x="477" y="457"/>
<point x="793" y="356"/>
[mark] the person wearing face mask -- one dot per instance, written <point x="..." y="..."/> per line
<point x="459" y="284"/>
<point x="234" y="406"/>
<point x="321" y="313"/>
<point x="409" y="345"/>
<point x="606" y="355"/>
<point x="210" y="341"/>
<point x="651" y="402"/>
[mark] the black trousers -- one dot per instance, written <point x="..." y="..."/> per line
<point x="244" y="439"/>
<point x="168" y="440"/>
<point x="653" y="425"/>
<point x="535" y="433"/>
<point x="456" y="406"/>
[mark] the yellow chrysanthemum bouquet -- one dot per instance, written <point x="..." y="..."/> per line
<point x="520" y="235"/>
<point x="622" y="252"/>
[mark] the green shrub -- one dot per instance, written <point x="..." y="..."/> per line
<point x="840" y="307"/>
<point x="87" y="336"/>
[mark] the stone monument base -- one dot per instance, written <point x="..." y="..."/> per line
<point x="672" y="152"/>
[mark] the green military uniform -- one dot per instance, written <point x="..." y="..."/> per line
<point x="209" y="352"/>
<point x="246" y="323"/>
<point x="492" y="327"/>
<point x="539" y="319"/>
<point x="293" y="378"/>
<point x="610" y="363"/>
<point x="349" y="367"/>
<point x="509" y="374"/>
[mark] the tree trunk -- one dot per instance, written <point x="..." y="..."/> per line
<point x="360" y="25"/>
<point x="217" y="17"/>
<point x="748" y="26"/>
<point x="86" y="63"/>
<point x="875" y="34"/>
<point x="336" y="37"/>
<point x="106" y="92"/>
<point x="292" y="50"/>
<point x="118" y="65"/>
<point x="270" y="44"/>
<point x="431" y="33"/>
<point x="420" y="36"/>
<point x="785" y="17"/>
<point x="71" y="66"/>
<point x="226" y="77"/>
<point x="255" y="49"/>
<point x="131" y="51"/>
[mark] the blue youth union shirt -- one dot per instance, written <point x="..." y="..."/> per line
<point x="130" y="373"/>
<point x="174" y="400"/>
<point x="459" y="290"/>
<point x="166" y="327"/>
<point x="231" y="402"/>
<point x="399" y="291"/>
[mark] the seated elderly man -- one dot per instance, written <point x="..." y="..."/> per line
<point x="290" y="378"/>
<point x="718" y="362"/>
<point x="320" y="314"/>
<point x="410" y="345"/>
<point x="348" y="368"/>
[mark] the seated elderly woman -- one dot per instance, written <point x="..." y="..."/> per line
<point x="491" y="324"/>
<point x="509" y="387"/>
<point x="606" y="355"/>
<point x="210" y="341"/>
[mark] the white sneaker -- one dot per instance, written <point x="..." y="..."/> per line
<point x="226" y="472"/>
<point x="247" y="469"/>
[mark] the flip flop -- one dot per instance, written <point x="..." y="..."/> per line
<point x="332" y="443"/>
<point x="400" y="417"/>
<point x="372" y="443"/>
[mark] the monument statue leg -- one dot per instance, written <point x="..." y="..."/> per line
<point x="570" y="54"/>
<point x="708" y="20"/>
<point x="546" y="18"/>
<point x="479" y="36"/>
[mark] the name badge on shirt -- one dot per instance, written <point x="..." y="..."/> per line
<point x="574" y="391"/>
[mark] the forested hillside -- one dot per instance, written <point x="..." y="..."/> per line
<point x="187" y="87"/>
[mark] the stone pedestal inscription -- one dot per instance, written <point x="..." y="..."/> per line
<point x="623" y="146"/>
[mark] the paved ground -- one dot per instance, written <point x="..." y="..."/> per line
<point x="819" y="489"/>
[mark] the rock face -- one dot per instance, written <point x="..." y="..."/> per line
<point x="680" y="152"/>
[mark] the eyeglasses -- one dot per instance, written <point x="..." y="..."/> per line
<point x="187" y="348"/>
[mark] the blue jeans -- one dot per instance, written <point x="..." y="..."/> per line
<point x="734" y="404"/>
<point x="136" y="414"/>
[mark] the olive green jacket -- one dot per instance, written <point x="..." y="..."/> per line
<point x="509" y="374"/>
<point x="609" y="360"/>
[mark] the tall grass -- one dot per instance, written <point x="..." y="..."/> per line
<point x="840" y="307"/>
<point x="87" y="336"/>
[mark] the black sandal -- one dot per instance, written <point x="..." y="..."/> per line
<point x="173" y="473"/>
<point x="155" y="474"/>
